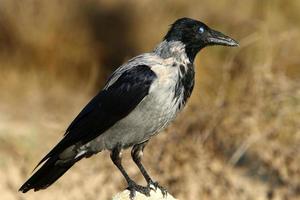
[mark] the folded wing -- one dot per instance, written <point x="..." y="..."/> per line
<point x="107" y="107"/>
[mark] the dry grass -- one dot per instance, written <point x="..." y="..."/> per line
<point x="239" y="137"/>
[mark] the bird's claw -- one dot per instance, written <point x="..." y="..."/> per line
<point x="154" y="185"/>
<point x="133" y="188"/>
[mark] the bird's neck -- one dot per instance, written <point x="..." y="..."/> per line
<point x="174" y="49"/>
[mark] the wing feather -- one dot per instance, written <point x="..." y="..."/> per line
<point x="107" y="107"/>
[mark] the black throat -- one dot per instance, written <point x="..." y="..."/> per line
<point x="191" y="52"/>
<point x="185" y="83"/>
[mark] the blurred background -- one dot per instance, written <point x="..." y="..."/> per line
<point x="238" y="138"/>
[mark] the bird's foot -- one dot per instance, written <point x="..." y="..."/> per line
<point x="154" y="185"/>
<point x="133" y="188"/>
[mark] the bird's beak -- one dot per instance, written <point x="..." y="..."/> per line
<point x="218" y="38"/>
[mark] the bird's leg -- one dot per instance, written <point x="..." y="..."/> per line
<point x="136" y="154"/>
<point x="132" y="186"/>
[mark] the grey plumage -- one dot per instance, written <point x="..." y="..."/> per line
<point x="160" y="105"/>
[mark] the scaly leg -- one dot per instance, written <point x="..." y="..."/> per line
<point x="136" y="154"/>
<point x="132" y="186"/>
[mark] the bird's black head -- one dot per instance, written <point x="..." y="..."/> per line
<point x="196" y="35"/>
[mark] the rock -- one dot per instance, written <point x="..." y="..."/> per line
<point x="154" y="195"/>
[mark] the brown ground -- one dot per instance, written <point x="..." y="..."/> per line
<point x="238" y="138"/>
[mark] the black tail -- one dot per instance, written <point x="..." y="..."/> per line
<point x="46" y="175"/>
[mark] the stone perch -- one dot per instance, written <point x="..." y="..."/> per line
<point x="154" y="195"/>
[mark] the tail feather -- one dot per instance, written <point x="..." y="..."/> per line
<point x="46" y="175"/>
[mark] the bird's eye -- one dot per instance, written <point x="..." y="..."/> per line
<point x="201" y="29"/>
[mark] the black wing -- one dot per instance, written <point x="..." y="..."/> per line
<point x="108" y="107"/>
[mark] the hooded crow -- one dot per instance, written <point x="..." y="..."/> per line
<point x="138" y="101"/>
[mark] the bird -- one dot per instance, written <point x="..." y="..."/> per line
<point x="138" y="101"/>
